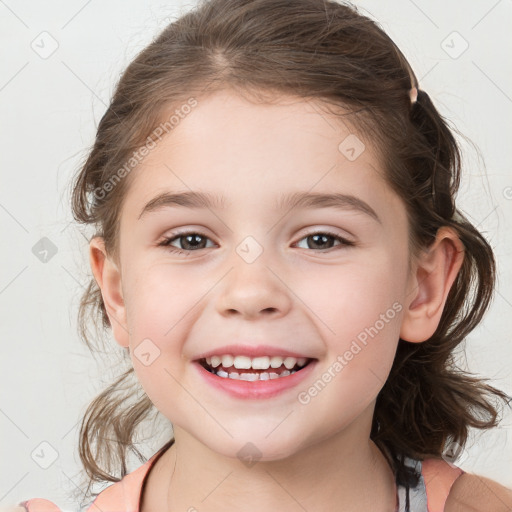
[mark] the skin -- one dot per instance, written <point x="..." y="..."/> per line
<point x="294" y="295"/>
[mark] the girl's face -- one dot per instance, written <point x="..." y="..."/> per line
<point x="260" y="272"/>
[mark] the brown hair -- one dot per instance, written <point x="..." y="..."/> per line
<point x="328" y="52"/>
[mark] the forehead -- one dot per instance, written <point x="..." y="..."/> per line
<point x="238" y="148"/>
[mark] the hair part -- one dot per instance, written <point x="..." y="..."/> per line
<point x="327" y="52"/>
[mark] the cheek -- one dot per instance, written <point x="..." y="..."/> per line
<point x="160" y="311"/>
<point x="160" y="315"/>
<point x="361" y="312"/>
<point x="351" y="297"/>
<point x="160" y="297"/>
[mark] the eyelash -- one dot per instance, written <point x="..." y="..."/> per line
<point x="167" y="241"/>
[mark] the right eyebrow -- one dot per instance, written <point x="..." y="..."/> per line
<point x="184" y="199"/>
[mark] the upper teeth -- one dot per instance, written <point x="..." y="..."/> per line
<point x="256" y="363"/>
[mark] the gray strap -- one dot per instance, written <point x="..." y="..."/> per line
<point x="417" y="495"/>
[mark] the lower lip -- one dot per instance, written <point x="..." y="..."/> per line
<point x="258" y="389"/>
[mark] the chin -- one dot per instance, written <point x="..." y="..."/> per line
<point x="257" y="448"/>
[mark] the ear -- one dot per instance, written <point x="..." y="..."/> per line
<point x="108" y="277"/>
<point x="434" y="274"/>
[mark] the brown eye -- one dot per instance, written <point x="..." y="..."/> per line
<point x="189" y="242"/>
<point x="324" y="240"/>
<point x="193" y="241"/>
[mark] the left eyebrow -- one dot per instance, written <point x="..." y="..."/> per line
<point x="296" y="200"/>
<point x="334" y="200"/>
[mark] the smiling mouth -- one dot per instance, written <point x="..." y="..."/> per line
<point x="242" y="368"/>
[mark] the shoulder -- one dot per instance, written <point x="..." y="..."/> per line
<point x="34" y="505"/>
<point x="474" y="493"/>
<point x="124" y="494"/>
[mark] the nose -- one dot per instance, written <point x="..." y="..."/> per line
<point x="252" y="290"/>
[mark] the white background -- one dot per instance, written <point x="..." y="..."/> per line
<point x="49" y="110"/>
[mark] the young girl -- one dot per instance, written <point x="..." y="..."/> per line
<point x="279" y="253"/>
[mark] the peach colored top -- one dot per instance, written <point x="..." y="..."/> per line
<point x="436" y="480"/>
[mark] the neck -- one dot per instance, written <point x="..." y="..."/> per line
<point x="192" y="477"/>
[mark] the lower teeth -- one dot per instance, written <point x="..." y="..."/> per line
<point x="253" y="376"/>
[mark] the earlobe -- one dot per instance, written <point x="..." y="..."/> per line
<point x="108" y="277"/>
<point x="430" y="284"/>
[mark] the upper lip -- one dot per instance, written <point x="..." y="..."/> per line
<point x="251" y="351"/>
